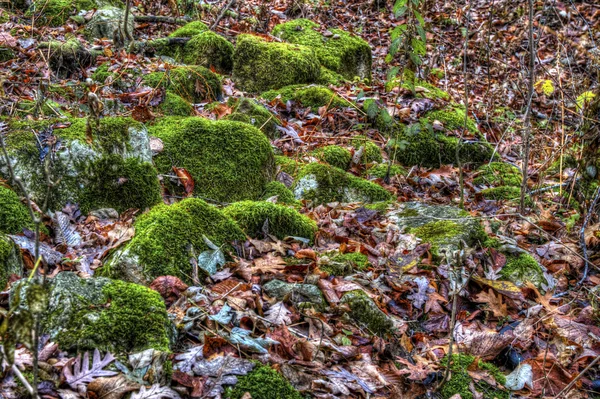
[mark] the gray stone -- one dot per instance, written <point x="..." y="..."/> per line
<point x="297" y="293"/>
<point x="107" y="22"/>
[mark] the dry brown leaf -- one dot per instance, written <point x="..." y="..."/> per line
<point x="112" y="387"/>
<point x="493" y="302"/>
<point x="268" y="264"/>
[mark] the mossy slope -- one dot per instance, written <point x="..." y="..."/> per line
<point x="14" y="216"/>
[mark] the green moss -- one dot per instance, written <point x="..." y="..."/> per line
<point x="209" y="50"/>
<point x="48" y="108"/>
<point x="14" y="216"/>
<point x="421" y="88"/>
<point x="263" y="383"/>
<point x="460" y="381"/>
<point x="279" y="220"/>
<point x="51" y="12"/>
<point x="6" y="54"/>
<point x="453" y="118"/>
<point x="328" y="77"/>
<point x="365" y="311"/>
<point x="344" y="264"/>
<point x="10" y="260"/>
<point x="110" y="134"/>
<point x="284" y="194"/>
<point x="175" y="105"/>
<point x="323" y="183"/>
<point x="334" y="155"/>
<point x="309" y="96"/>
<point x="379" y="171"/>
<point x="259" y="65"/>
<point x="345" y="54"/>
<point x="524" y="267"/>
<point x="250" y="111"/>
<point x="437" y="232"/>
<point x="371" y="152"/>
<point x="288" y="165"/>
<point x="498" y="174"/>
<point x="381" y="207"/>
<point x="101" y="73"/>
<point x="190" y="29"/>
<point x="508" y="193"/>
<point x="193" y="83"/>
<point x="229" y="161"/>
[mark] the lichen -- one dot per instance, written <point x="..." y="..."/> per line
<point x="312" y="96"/>
<point x="343" y="52"/>
<point x="190" y="29"/>
<point x="344" y="264"/>
<point x="251" y="111"/>
<point x="371" y="152"/>
<point x="229" y="161"/>
<point x="284" y="195"/>
<point x="460" y="380"/>
<point x="524" y="267"/>
<point x="193" y="83"/>
<point x="259" y="65"/>
<point x="498" y="174"/>
<point x="175" y="105"/>
<point x="209" y="50"/>
<point x="365" y="311"/>
<point x="334" y="155"/>
<point x="263" y="383"/>
<point x="256" y="218"/>
<point x="14" y="216"/>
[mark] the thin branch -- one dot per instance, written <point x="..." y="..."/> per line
<point x="582" y="236"/>
<point x="221" y="14"/>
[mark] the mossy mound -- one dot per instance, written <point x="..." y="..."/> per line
<point x="453" y="118"/>
<point x="371" y="152"/>
<point x="229" y="161"/>
<point x="209" y="50"/>
<point x="421" y="88"/>
<point x="498" y="174"/>
<point x="6" y="54"/>
<point x="366" y="312"/>
<point x="259" y="65"/>
<point x="284" y="195"/>
<point x="52" y="12"/>
<point x="193" y="83"/>
<point x="288" y="165"/>
<point x="343" y="53"/>
<point x="322" y="183"/>
<point x="174" y="105"/>
<point x="506" y="193"/>
<point x="334" y="155"/>
<point x="256" y="218"/>
<point x="190" y="29"/>
<point x="460" y="380"/>
<point x="10" y="260"/>
<point x="312" y="96"/>
<point x="250" y="111"/>
<point x="68" y="58"/>
<point x="46" y="108"/>
<point x="522" y="268"/>
<point x="380" y="171"/>
<point x="344" y="264"/>
<point x="263" y="383"/>
<point x="14" y="215"/>
<point x="165" y="238"/>
<point x="99" y="313"/>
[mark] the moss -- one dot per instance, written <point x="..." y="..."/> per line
<point x="524" y="267"/>
<point x="175" y="105"/>
<point x="498" y="174"/>
<point x="110" y="134"/>
<point x="460" y="380"/>
<point x="165" y="235"/>
<point x="101" y="73"/>
<point x="328" y="77"/>
<point x="193" y="83"/>
<point x="309" y="96"/>
<point x="344" y="264"/>
<point x="229" y="161"/>
<point x="380" y="207"/>
<point x="509" y="193"/>
<point x="345" y="54"/>
<point x="453" y="118"/>
<point x="365" y="311"/>
<point x="284" y="194"/>
<point x="14" y="216"/>
<point x="437" y="232"/>
<point x="47" y="108"/>
<point x="288" y="165"/>
<point x="380" y="171"/>
<point x="69" y="57"/>
<point x="209" y="50"/>
<point x="421" y="88"/>
<point x="334" y="155"/>
<point x="190" y="29"/>
<point x="6" y="54"/>
<point x="51" y="12"/>
<point x="263" y="383"/>
<point x="259" y="65"/>
<point x="371" y="152"/>
<point x="10" y="261"/>
<point x="250" y="111"/>
<point x="323" y="183"/>
<point x="281" y="221"/>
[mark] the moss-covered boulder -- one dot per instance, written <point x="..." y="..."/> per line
<point x="366" y="312"/>
<point x="114" y="170"/>
<point x="421" y="88"/>
<point x="334" y="155"/>
<point x="322" y="183"/>
<point x="255" y="218"/>
<point x="259" y="65"/>
<point x="193" y="83"/>
<point x="462" y="383"/>
<point x="107" y="23"/>
<point x="99" y="313"/>
<point x="67" y="58"/>
<point x="312" y="96"/>
<point x="263" y="383"/>
<point x="46" y="108"/>
<point x="337" y="264"/>
<point x="167" y="237"/>
<point x="174" y="105"/>
<point x="288" y="165"/>
<point x="190" y="29"/>
<point x="10" y="260"/>
<point x="229" y="161"/>
<point x="523" y="268"/>
<point x="498" y="174"/>
<point x="297" y="293"/>
<point x="14" y="215"/>
<point x="341" y="52"/>
<point x="284" y="195"/>
<point x="6" y="54"/>
<point x="209" y="50"/>
<point x="371" y="151"/>
<point x="251" y="111"/>
<point x="380" y="171"/>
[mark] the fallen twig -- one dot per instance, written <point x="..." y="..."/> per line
<point x="582" y="236"/>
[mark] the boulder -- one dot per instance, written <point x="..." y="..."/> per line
<point x="209" y="50"/>
<point x="14" y="215"/>
<point x="250" y="111"/>
<point x="313" y="96"/>
<point x="298" y="293"/>
<point x="108" y="22"/>
<point x="194" y="84"/>
<point x="10" y="261"/>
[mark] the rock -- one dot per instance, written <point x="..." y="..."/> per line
<point x="343" y="53"/>
<point x="175" y="105"/>
<point x="190" y="29"/>
<point x="365" y="311"/>
<point x="312" y="96"/>
<point x="283" y="194"/>
<point x="522" y="268"/>
<point x="297" y="293"/>
<point x="165" y="239"/>
<point x="323" y="183"/>
<point x="229" y="161"/>
<point x="108" y="22"/>
<point x="67" y="58"/>
<point x="209" y="50"/>
<point x="14" y="215"/>
<point x="259" y="65"/>
<point x="334" y="155"/>
<point x="99" y="313"/>
<point x="10" y="261"/>
<point x="194" y="84"/>
<point x="250" y="111"/>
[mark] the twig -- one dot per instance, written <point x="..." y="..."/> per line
<point x="128" y="35"/>
<point x="221" y="14"/>
<point x="160" y="18"/>
<point x="568" y="387"/>
<point x="582" y="236"/>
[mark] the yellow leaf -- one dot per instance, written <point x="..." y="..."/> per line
<point x="503" y="287"/>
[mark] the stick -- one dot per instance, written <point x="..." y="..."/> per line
<point x="582" y="236"/>
<point x="568" y="387"/>
<point x="222" y="14"/>
<point x="160" y="18"/>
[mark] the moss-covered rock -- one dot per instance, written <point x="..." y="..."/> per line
<point x="322" y="183"/>
<point x="193" y="83"/>
<point x="229" y="161"/>
<point x="108" y="23"/>
<point x="334" y="155"/>
<point x="165" y="239"/>
<point x="371" y="151"/>
<point x="344" y="264"/>
<point x="498" y="174"/>
<point x="259" y="65"/>
<point x="288" y="165"/>
<point x="209" y="50"/>
<point x="250" y="111"/>
<point x="348" y="55"/>
<point x="104" y="314"/>
<point x="46" y="108"/>
<point x="380" y="171"/>
<point x="10" y="260"/>
<point x="312" y="96"/>
<point x="460" y="381"/>
<point x="452" y="118"/>
<point x="522" y="268"/>
<point x="6" y="54"/>
<point x="421" y="88"/>
<point x="506" y="193"/>
<point x="174" y="105"/>
<point x="279" y="220"/>
<point x="297" y="293"/>
<point x="263" y="383"/>
<point x="284" y="195"/>
<point x="51" y="12"/>
<point x="366" y="312"/>
<point x="190" y="29"/>
<point x="69" y="57"/>
<point x="14" y="215"/>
